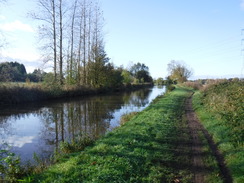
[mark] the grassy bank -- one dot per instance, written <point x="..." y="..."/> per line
<point x="220" y="109"/>
<point x="144" y="149"/>
<point x="13" y="93"/>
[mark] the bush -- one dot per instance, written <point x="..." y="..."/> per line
<point x="10" y="169"/>
<point x="225" y="98"/>
<point x="170" y="88"/>
<point x="193" y="84"/>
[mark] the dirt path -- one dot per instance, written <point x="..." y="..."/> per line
<point x="195" y="127"/>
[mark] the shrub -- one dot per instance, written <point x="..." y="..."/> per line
<point x="170" y="88"/>
<point x="193" y="84"/>
<point x="226" y="99"/>
<point x="10" y="169"/>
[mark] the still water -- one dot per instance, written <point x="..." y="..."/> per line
<point x="38" y="128"/>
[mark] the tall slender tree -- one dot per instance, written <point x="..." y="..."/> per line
<point x="60" y="42"/>
<point x="47" y="14"/>
<point x="2" y="37"/>
<point x="73" y="28"/>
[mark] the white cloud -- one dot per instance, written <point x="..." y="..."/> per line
<point x="242" y="4"/>
<point x="21" y="55"/>
<point x="17" y="141"/>
<point x="2" y="17"/>
<point x="16" y="26"/>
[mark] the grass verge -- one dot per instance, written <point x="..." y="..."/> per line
<point x="212" y="169"/>
<point x="233" y="152"/>
<point x="145" y="149"/>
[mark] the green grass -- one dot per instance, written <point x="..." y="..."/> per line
<point x="221" y="131"/>
<point x="145" y="149"/>
<point x="213" y="172"/>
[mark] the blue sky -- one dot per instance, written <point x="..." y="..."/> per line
<point x="205" y="34"/>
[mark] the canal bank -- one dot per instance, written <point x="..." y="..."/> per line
<point x="16" y="93"/>
<point x="142" y="150"/>
<point x="40" y="127"/>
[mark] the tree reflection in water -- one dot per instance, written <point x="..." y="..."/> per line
<point x="47" y="124"/>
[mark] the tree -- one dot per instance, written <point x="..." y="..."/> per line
<point x="71" y="55"/>
<point x="178" y="71"/>
<point x="141" y="72"/>
<point x="47" y="15"/>
<point x="51" y="33"/>
<point x="127" y="78"/>
<point x="97" y="74"/>
<point x="12" y="71"/>
<point x="37" y="75"/>
<point x="2" y="38"/>
<point x="61" y="37"/>
<point x="159" y="81"/>
<point x="73" y="31"/>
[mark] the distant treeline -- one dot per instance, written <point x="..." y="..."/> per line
<point x="16" y="72"/>
<point x="114" y="77"/>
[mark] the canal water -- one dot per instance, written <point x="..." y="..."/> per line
<point x="38" y="128"/>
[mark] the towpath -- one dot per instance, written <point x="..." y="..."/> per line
<point x="198" y="167"/>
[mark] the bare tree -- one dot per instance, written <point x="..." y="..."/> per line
<point x="51" y="33"/>
<point x="60" y="42"/>
<point x="72" y="44"/>
<point x="74" y="29"/>
<point x="53" y="20"/>
<point x="84" y="40"/>
<point x="48" y="30"/>
<point x="2" y="37"/>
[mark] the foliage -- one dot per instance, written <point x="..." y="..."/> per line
<point x="127" y="77"/>
<point x="16" y="72"/>
<point x="142" y="150"/>
<point x="170" y="88"/>
<point x="36" y="76"/>
<point x="49" y="79"/>
<point x="12" y="93"/>
<point x="114" y="77"/>
<point x="220" y="108"/>
<point x="10" y="169"/>
<point x="196" y="85"/>
<point x="12" y="71"/>
<point x="178" y="71"/>
<point x="76" y="145"/>
<point x="127" y="117"/>
<point x="159" y="81"/>
<point x="226" y="99"/>
<point x="104" y="74"/>
<point x="169" y="81"/>
<point x="97" y="68"/>
<point x="141" y="72"/>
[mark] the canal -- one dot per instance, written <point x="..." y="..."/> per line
<point x="38" y="128"/>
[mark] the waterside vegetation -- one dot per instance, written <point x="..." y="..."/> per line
<point x="220" y="108"/>
<point x="13" y="93"/>
<point x="143" y="149"/>
<point x="153" y="145"/>
<point x="17" y="87"/>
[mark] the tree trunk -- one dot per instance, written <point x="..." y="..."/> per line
<point x="61" y="42"/>
<point x="54" y="40"/>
